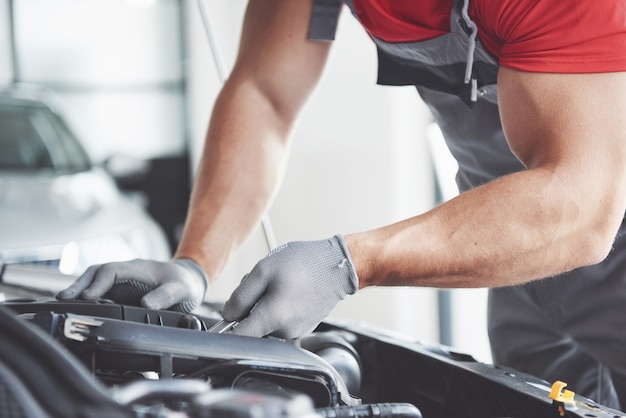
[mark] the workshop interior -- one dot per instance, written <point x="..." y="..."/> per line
<point x="110" y="100"/>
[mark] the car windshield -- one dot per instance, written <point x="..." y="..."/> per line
<point x="33" y="138"/>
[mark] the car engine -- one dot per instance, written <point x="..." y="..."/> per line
<point x="82" y="359"/>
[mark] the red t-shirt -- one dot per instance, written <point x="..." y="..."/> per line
<point x="582" y="36"/>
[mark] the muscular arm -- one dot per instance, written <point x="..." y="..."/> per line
<point x="561" y="213"/>
<point x="248" y="137"/>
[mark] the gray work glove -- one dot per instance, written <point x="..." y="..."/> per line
<point x="178" y="284"/>
<point x="289" y="292"/>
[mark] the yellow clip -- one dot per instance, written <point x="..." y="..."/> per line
<point x="562" y="396"/>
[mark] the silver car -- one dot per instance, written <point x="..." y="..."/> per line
<point x="56" y="207"/>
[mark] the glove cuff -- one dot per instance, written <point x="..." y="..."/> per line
<point x="354" y="279"/>
<point x="195" y="267"/>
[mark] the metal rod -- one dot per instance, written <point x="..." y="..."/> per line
<point x="221" y="73"/>
<point x="15" y="67"/>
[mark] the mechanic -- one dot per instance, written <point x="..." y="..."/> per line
<point x="542" y="171"/>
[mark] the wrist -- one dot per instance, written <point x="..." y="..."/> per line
<point x="362" y="260"/>
<point x="347" y="260"/>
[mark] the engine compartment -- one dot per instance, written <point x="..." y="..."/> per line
<point x="129" y="361"/>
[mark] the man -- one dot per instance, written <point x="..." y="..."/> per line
<point x="542" y="172"/>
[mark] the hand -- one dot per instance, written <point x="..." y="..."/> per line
<point x="179" y="284"/>
<point x="289" y="292"/>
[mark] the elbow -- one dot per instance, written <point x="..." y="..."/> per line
<point x="595" y="227"/>
<point x="596" y="244"/>
<point x="594" y="251"/>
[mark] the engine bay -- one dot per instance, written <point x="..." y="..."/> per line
<point x="100" y="358"/>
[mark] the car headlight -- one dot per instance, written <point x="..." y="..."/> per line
<point x="76" y="256"/>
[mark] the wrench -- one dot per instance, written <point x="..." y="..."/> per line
<point x="223" y="326"/>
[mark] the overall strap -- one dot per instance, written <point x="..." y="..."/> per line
<point x="324" y="19"/>
<point x="470" y="29"/>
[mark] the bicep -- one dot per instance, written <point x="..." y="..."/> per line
<point x="275" y="57"/>
<point x="573" y="127"/>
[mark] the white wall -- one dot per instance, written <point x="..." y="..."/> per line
<point x="6" y="60"/>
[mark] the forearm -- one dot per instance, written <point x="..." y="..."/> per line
<point x="561" y="213"/>
<point x="247" y="141"/>
<point x="521" y="227"/>
<point x="240" y="169"/>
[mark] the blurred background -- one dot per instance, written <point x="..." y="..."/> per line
<point x="136" y="81"/>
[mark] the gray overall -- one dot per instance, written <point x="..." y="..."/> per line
<point x="570" y="328"/>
